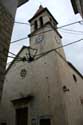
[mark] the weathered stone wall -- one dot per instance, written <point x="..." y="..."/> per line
<point x="6" y="24"/>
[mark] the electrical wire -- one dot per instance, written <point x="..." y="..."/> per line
<point x="76" y="31"/>
<point x="33" y="35"/>
<point x="22" y="23"/>
<point x="41" y="33"/>
<point x="12" y="53"/>
<point x="11" y="57"/>
<point x="44" y="53"/>
<point x="70" y="24"/>
<point x="60" y="47"/>
<point x="14" y="57"/>
<point x="27" y="37"/>
<point x="19" y="40"/>
<point x="46" y="31"/>
<point x="71" y="33"/>
<point x="80" y="22"/>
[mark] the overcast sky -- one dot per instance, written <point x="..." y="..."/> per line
<point x="63" y="13"/>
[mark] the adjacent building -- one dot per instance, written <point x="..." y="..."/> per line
<point x="7" y="15"/>
<point x="41" y="87"/>
<point x="77" y="6"/>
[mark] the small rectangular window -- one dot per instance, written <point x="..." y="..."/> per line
<point x="41" y="21"/>
<point x="35" y="25"/>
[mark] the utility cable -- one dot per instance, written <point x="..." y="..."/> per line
<point x="14" y="57"/>
<point x="44" y="53"/>
<point x="46" y="31"/>
<point x="80" y="22"/>
<point x="21" y="23"/>
<point x="19" y="40"/>
<point x="71" y="33"/>
<point x="12" y="53"/>
<point x="76" y="31"/>
<point x="70" y="24"/>
<point x="32" y="35"/>
<point x="60" y="47"/>
<point x="27" y="37"/>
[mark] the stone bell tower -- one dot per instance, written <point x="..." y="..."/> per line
<point x="44" y="35"/>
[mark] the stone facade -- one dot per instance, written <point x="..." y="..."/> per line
<point x="6" y="24"/>
<point x="49" y="88"/>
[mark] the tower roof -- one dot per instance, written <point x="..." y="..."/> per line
<point x="40" y="11"/>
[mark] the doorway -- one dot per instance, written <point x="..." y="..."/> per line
<point x="22" y="116"/>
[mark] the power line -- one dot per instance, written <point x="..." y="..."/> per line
<point x="47" y="31"/>
<point x="71" y="33"/>
<point x="70" y="24"/>
<point x="27" y="37"/>
<point x="59" y="27"/>
<point x="12" y="53"/>
<point x="32" y="35"/>
<point x="61" y="47"/>
<point x="80" y="22"/>
<point x="11" y="57"/>
<point x="55" y="48"/>
<point x="72" y="30"/>
<point x="19" y="40"/>
<point x="47" y="52"/>
<point x="22" y="23"/>
<point x="23" y="59"/>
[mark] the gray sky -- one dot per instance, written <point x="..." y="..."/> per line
<point x="63" y="13"/>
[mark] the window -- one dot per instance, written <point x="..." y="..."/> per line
<point x="35" y="25"/>
<point x="45" y="121"/>
<point x="74" y="77"/>
<point x="41" y="21"/>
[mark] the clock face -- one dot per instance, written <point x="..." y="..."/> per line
<point x="39" y="38"/>
<point x="23" y="73"/>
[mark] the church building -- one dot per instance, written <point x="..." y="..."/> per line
<point x="41" y="87"/>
